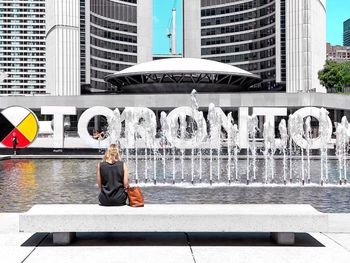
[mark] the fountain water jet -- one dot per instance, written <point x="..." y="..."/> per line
<point x="164" y="127"/>
<point x="184" y="133"/>
<point x="269" y="142"/>
<point x="214" y="138"/>
<point x="291" y="129"/>
<point x="323" y="127"/>
<point x="345" y="123"/>
<point x="235" y="133"/>
<point x="308" y="136"/>
<point x="251" y="135"/>
<point x="282" y="127"/>
<point x="183" y="125"/>
<point x="253" y="123"/>
<point x="342" y="139"/>
<point x="229" y="143"/>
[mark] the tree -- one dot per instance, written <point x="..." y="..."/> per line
<point x="346" y="72"/>
<point x="335" y="75"/>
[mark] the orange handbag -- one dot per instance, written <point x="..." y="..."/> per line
<point x="135" y="196"/>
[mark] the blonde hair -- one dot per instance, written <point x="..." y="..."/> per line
<point x="112" y="154"/>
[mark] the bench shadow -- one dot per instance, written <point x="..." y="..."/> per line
<point x="248" y="239"/>
<point x="172" y="239"/>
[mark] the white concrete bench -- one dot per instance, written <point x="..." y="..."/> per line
<point x="281" y="220"/>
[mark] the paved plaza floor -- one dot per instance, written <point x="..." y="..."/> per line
<point x="172" y="247"/>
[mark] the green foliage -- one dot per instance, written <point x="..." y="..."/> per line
<point x="335" y="75"/>
<point x="346" y="72"/>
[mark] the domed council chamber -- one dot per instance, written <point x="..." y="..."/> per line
<point x="182" y="75"/>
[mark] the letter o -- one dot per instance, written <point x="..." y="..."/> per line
<point x="316" y="143"/>
<point x="199" y="135"/>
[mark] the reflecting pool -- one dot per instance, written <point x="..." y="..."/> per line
<point x="24" y="183"/>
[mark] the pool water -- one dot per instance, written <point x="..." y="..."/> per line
<point x="24" y="183"/>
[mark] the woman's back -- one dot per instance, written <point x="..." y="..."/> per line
<point x="112" y="184"/>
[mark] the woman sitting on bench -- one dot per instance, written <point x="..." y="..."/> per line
<point x="112" y="178"/>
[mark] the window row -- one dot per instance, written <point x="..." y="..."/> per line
<point x="239" y="38"/>
<point x="22" y="15"/>
<point x="23" y="64"/>
<point x="112" y="35"/>
<point x="30" y="36"/>
<point x="15" y="54"/>
<point x="113" y="25"/>
<point x="107" y="65"/>
<point x="27" y="21"/>
<point x="238" y="28"/>
<point x="22" y="91"/>
<point x="11" y="81"/>
<point x="98" y="74"/>
<point x="246" y="57"/>
<point x="25" y="49"/>
<point x="130" y="1"/>
<point x="234" y="8"/>
<point x="27" y="33"/>
<point x="23" y="67"/>
<point x="30" y="4"/>
<point x="100" y="85"/>
<point x="240" y="17"/>
<point x="259" y="66"/>
<point x="21" y="10"/>
<point x="239" y="48"/>
<point x="25" y="76"/>
<point x="21" y="43"/>
<point x="113" y="46"/>
<point x="114" y="10"/>
<point x="113" y="56"/>
<point x="7" y="27"/>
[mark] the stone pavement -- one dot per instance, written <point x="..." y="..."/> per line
<point x="172" y="247"/>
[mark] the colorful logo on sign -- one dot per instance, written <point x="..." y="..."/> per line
<point x="20" y="122"/>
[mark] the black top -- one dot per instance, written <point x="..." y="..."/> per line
<point x="14" y="141"/>
<point x="112" y="186"/>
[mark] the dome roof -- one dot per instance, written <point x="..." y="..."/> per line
<point x="184" y="65"/>
<point x="173" y="74"/>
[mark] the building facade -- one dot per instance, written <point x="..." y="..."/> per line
<point x="305" y="44"/>
<point x="63" y="47"/>
<point x="346" y="35"/>
<point x="338" y="53"/>
<point x="118" y="34"/>
<point x="265" y="37"/>
<point x="90" y="39"/>
<point x="82" y="42"/>
<point x="22" y="47"/>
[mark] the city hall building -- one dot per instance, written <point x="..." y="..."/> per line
<point x="245" y="56"/>
<point x="282" y="42"/>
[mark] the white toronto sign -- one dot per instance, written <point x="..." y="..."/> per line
<point x="143" y="121"/>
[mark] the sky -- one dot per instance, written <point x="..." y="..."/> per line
<point x="337" y="12"/>
<point x="161" y="23"/>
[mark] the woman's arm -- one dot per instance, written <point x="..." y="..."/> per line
<point x="126" y="178"/>
<point x="98" y="176"/>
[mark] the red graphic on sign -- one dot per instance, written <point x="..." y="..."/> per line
<point x="21" y="139"/>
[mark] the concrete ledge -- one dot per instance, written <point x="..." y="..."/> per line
<point x="164" y="101"/>
<point x="338" y="223"/>
<point x="53" y="156"/>
<point x="173" y="218"/>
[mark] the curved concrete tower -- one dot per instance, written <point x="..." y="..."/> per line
<point x="63" y="47"/>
